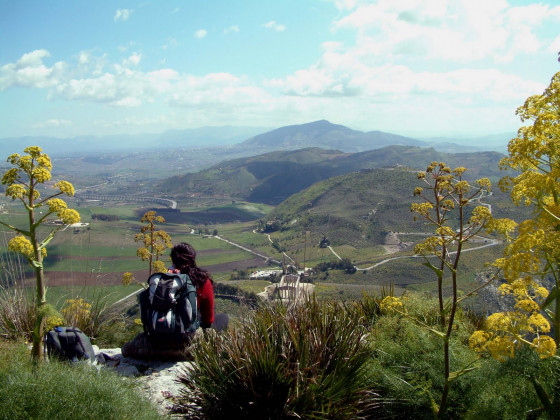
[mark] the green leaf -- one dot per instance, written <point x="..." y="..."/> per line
<point x="554" y="294"/>
<point x="36" y="264"/>
<point x="455" y="375"/>
<point x="436" y="270"/>
<point x="441" y="334"/>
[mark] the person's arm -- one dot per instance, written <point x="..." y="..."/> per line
<point x="206" y="304"/>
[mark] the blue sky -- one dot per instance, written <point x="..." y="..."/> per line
<point x="412" y="67"/>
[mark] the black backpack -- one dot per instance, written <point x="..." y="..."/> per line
<point x="168" y="309"/>
<point x="69" y="343"/>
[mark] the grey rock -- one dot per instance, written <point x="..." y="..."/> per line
<point x="157" y="379"/>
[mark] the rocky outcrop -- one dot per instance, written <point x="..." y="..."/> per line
<point x="157" y="379"/>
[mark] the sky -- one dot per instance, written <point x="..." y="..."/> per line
<point x="419" y="68"/>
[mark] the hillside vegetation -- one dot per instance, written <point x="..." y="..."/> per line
<point x="272" y="177"/>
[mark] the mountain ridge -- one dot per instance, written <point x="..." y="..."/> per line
<point x="243" y="140"/>
<point x="272" y="177"/>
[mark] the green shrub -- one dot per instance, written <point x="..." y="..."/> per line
<point x="282" y="362"/>
<point x="17" y="314"/>
<point x="117" y="331"/>
<point x="90" y="314"/>
<point x="407" y="362"/>
<point x="57" y="390"/>
<point x="504" y="390"/>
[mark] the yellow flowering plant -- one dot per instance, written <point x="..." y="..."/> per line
<point x="531" y="261"/>
<point x="154" y="241"/>
<point x="444" y="197"/>
<point x="23" y="181"/>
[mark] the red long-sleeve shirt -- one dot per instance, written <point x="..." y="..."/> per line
<point x="205" y="302"/>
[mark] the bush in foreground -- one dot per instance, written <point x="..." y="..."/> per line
<point x="65" y="391"/>
<point x="407" y="362"/>
<point x="283" y="362"/>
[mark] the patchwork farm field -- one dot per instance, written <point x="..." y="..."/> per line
<point x="98" y="254"/>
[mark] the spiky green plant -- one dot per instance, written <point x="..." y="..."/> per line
<point x="282" y="362"/>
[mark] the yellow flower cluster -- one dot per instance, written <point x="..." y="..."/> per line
<point x="501" y="348"/>
<point x="56" y="205"/>
<point x="143" y="253"/>
<point x="480" y="216"/>
<point x="445" y="231"/>
<point x="461" y="187"/>
<point x="33" y="151"/>
<point x="16" y="191"/>
<point x="507" y="330"/>
<point x="69" y="216"/>
<point x="127" y="278"/>
<point x="65" y="187"/>
<point x="23" y="245"/>
<point x="478" y="340"/>
<point x="484" y="183"/>
<point x="44" y="161"/>
<point x="52" y="322"/>
<point x="431" y="245"/>
<point x="10" y="176"/>
<point x="545" y="346"/>
<point x="390" y="304"/>
<point x="41" y="174"/>
<point x="422" y="209"/>
<point x="459" y="171"/>
<point x="76" y="312"/>
<point x="158" y="266"/>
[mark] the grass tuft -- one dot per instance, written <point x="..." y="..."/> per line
<point x="282" y="362"/>
<point x="58" y="390"/>
<point x="17" y="314"/>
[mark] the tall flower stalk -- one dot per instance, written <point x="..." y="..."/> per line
<point x="23" y="180"/>
<point x="155" y="242"/>
<point x="445" y="197"/>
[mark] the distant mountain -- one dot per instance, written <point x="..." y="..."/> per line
<point x="326" y="135"/>
<point x="243" y="141"/>
<point x="173" y="139"/>
<point x="272" y="177"/>
<point x="495" y="142"/>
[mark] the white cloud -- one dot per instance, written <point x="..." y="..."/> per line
<point x="216" y="90"/>
<point x="554" y="46"/>
<point x="29" y="71"/>
<point x="171" y="42"/>
<point x="53" y="123"/>
<point x="233" y="28"/>
<point x="122" y="15"/>
<point x="201" y="33"/>
<point x="133" y="60"/>
<point x="458" y="30"/>
<point x="274" y="26"/>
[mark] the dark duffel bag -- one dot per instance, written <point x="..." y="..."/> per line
<point x="69" y="343"/>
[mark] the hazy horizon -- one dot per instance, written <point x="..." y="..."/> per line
<point x="419" y="69"/>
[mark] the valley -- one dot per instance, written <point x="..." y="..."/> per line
<point x="308" y="207"/>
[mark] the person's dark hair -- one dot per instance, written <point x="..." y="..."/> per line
<point x="183" y="257"/>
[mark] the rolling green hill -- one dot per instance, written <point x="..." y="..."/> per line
<point x="357" y="209"/>
<point x="272" y="177"/>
